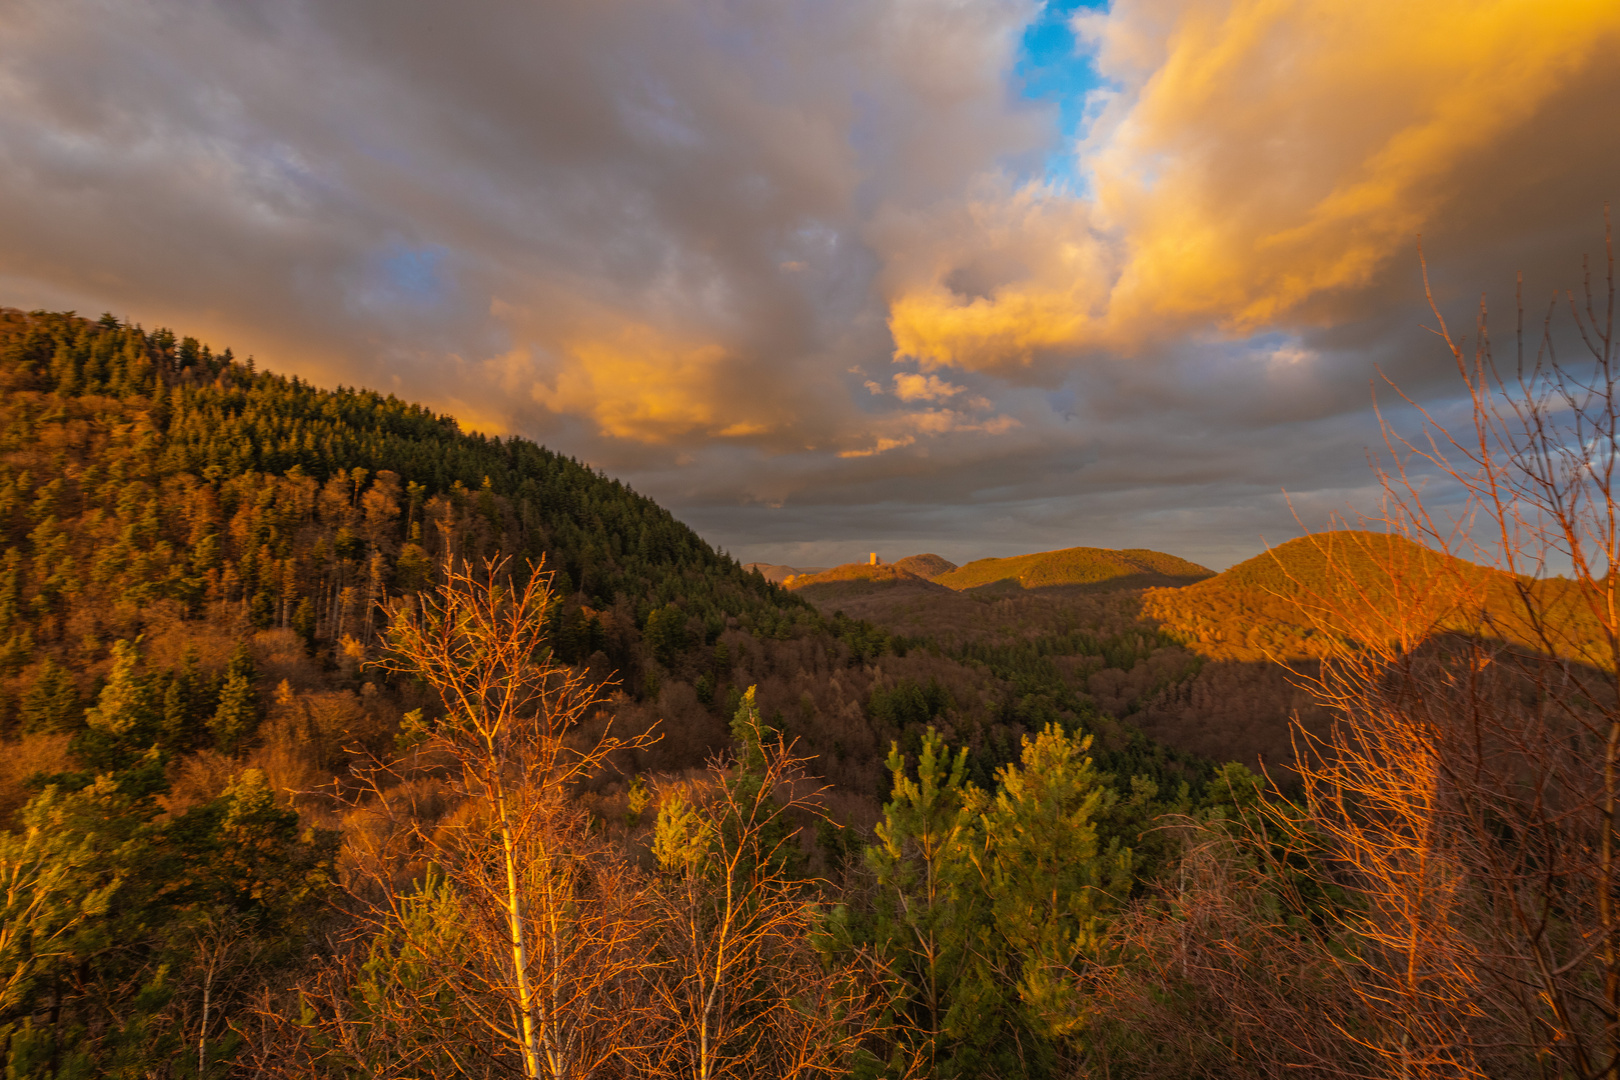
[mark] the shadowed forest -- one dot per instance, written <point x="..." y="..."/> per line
<point x="340" y="742"/>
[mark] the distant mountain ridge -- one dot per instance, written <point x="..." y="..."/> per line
<point x="1129" y="568"/>
<point x="776" y="573"/>
<point x="857" y="579"/>
<point x="928" y="566"/>
<point x="925" y="566"/>
<point x="1252" y="611"/>
<point x="1070" y="567"/>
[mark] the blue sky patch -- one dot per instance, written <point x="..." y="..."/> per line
<point x="413" y="275"/>
<point x="1051" y="69"/>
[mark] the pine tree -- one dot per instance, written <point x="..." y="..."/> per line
<point x="988" y="904"/>
<point x="52" y="704"/>
<point x="666" y="633"/>
<point x="303" y="621"/>
<point x="237" y="718"/>
<point x="1049" y="882"/>
<point x="928" y="910"/>
<point x="124" y="708"/>
<point x="185" y="705"/>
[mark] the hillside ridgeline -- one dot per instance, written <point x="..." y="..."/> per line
<point x="1134" y="568"/>
<point x="928" y="566"/>
<point x="857" y="579"/>
<point x="777" y="573"/>
<point x="925" y="566"/>
<point x="1302" y="599"/>
<point x="1193" y="665"/>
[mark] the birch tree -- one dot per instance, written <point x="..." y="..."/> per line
<point x="548" y="916"/>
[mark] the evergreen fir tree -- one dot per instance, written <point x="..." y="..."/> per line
<point x="124" y="708"/>
<point x="237" y="718"/>
<point x="52" y="703"/>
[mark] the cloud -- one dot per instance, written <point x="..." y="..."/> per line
<point x="931" y="422"/>
<point x="638" y="386"/>
<point x="1258" y="165"/>
<point x="910" y="386"/>
<point x="681" y="239"/>
<point x="879" y="447"/>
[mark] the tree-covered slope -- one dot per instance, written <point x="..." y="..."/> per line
<point x="198" y="561"/>
<point x="135" y="467"/>
<point x="1299" y="599"/>
<point x="1263" y="607"/>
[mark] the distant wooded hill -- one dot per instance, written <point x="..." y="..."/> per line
<point x="1131" y="568"/>
<point x="777" y="573"/>
<point x="928" y="566"/>
<point x="1069" y="568"/>
<point x="855" y="579"/>
<point x="1296" y="601"/>
<point x="922" y="565"/>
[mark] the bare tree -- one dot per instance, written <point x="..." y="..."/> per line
<point x="742" y="991"/>
<point x="1468" y="796"/>
<point x="504" y="933"/>
<point x="1216" y="973"/>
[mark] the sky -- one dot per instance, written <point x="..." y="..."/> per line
<point x="825" y="277"/>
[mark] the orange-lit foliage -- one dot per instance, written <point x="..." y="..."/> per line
<point x="857" y="579"/>
<point x="1467" y="798"/>
<point x="1304" y="599"/>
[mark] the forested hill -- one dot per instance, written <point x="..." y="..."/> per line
<point x="1299" y="600"/>
<point x="1072" y="567"/>
<point x="193" y="560"/>
<point x="139" y="466"/>
<point x="153" y="490"/>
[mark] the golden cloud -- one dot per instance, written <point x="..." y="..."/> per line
<point x="879" y="447"/>
<point x="931" y="422"/>
<point x="641" y="384"/>
<point x="1259" y="156"/>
